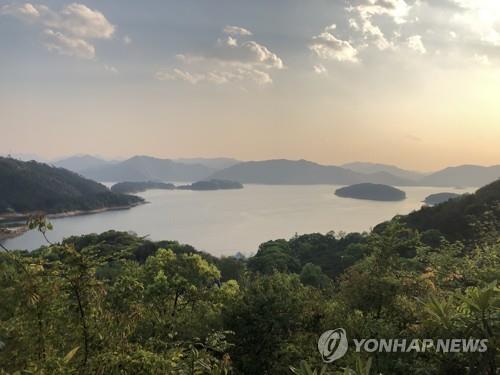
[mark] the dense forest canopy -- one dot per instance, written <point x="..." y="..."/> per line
<point x="116" y="303"/>
<point x="32" y="186"/>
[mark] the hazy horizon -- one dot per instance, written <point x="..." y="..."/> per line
<point x="402" y="82"/>
<point x="44" y="159"/>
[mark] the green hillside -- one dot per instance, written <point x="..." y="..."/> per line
<point x="464" y="218"/>
<point x="32" y="186"/>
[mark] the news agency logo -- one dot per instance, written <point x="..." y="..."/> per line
<point x="333" y="345"/>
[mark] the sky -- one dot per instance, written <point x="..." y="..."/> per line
<point x="414" y="83"/>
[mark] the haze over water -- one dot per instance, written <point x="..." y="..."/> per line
<point x="224" y="222"/>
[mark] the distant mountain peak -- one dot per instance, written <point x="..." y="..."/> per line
<point x="463" y="175"/>
<point x="370" y="168"/>
<point x="78" y="163"/>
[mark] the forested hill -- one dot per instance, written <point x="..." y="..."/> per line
<point x="467" y="217"/>
<point x="32" y="186"/>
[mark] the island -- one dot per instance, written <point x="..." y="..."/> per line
<point x="212" y="185"/>
<point x="374" y="192"/>
<point x="30" y="188"/>
<point x="132" y="187"/>
<point x="439" y="198"/>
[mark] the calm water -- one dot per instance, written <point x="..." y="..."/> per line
<point x="223" y="222"/>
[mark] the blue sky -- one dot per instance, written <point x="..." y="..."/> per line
<point x="411" y="82"/>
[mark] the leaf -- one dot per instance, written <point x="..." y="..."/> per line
<point x="33" y="298"/>
<point x="70" y="354"/>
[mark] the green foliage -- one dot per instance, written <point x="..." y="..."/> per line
<point x="273" y="320"/>
<point x="59" y="317"/>
<point x="273" y="257"/>
<point x="305" y="369"/>
<point x="313" y="276"/>
<point x="332" y="254"/>
<point x="362" y="367"/>
<point x="231" y="268"/>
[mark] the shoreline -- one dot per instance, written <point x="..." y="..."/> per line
<point x="8" y="233"/>
<point x="9" y="230"/>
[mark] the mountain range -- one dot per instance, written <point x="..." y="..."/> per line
<point x="80" y="163"/>
<point x="465" y="175"/>
<point x="146" y="168"/>
<point x="215" y="163"/>
<point x="280" y="171"/>
<point x="363" y="167"/>
<point x="301" y="172"/>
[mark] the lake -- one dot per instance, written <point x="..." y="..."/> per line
<point x="226" y="221"/>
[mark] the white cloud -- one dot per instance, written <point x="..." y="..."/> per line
<point x="69" y="46"/>
<point x="21" y="11"/>
<point x="366" y="15"/>
<point x="189" y="59"/>
<point x="320" y="69"/>
<point x="78" y="20"/>
<point x="332" y="27"/>
<point x="376" y="35"/>
<point x="180" y="74"/>
<point x="219" y="77"/>
<point x="236" y="31"/>
<point x="448" y="29"/>
<point x="328" y="47"/>
<point x="262" y="55"/>
<point x="111" y="69"/>
<point x="482" y="59"/>
<point x="398" y="10"/>
<point x="354" y="24"/>
<point x="232" y="61"/>
<point x="68" y="31"/>
<point x="416" y="44"/>
<point x="232" y="42"/>
<point x="481" y="18"/>
<point x="459" y="29"/>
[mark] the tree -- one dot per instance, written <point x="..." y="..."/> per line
<point x="313" y="276"/>
<point x="274" y="256"/>
<point x="274" y="321"/>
